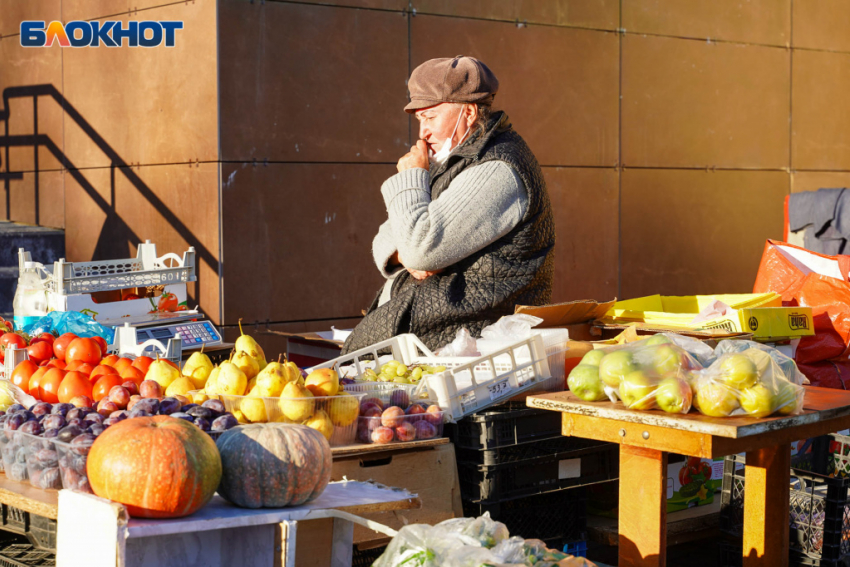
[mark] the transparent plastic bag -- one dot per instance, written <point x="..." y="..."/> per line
<point x="462" y="345"/>
<point x="748" y="383"/>
<point x="420" y="545"/>
<point x="512" y="328"/>
<point x="654" y="373"/>
<point x="787" y="364"/>
<point x="482" y="529"/>
<point x="61" y="322"/>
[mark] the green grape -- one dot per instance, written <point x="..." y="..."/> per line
<point x="370" y="375"/>
<point x="401" y="370"/>
<point x="416" y="373"/>
<point x="384" y="377"/>
<point x="439" y="369"/>
<point x="401" y="380"/>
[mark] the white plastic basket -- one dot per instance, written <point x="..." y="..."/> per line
<point x="555" y="342"/>
<point x="469" y="384"/>
<point x="146" y="269"/>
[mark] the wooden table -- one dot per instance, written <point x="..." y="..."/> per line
<point x="645" y="438"/>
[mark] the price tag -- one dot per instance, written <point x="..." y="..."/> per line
<point x="499" y="389"/>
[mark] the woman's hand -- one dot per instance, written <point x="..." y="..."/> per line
<point x="416" y="157"/>
<point x="421" y="275"/>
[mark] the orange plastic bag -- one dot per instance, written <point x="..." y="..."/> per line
<point x="821" y="282"/>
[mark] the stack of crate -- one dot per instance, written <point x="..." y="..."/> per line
<point x="514" y="463"/>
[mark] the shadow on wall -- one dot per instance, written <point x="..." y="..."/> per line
<point x="115" y="235"/>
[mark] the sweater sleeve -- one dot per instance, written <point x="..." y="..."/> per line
<point x="382" y="248"/>
<point x="482" y="204"/>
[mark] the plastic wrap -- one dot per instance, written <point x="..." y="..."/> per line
<point x="61" y="322"/>
<point x="483" y="529"/>
<point x="788" y="366"/>
<point x="653" y="373"/>
<point x="462" y="345"/>
<point x="511" y="328"/>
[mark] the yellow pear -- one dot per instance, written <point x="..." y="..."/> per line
<point x="246" y="364"/>
<point x="321" y="422"/>
<point x="292" y="402"/>
<point x="199" y="397"/>
<point x="293" y="373"/>
<point x="198" y="368"/>
<point x="272" y="379"/>
<point x="162" y="372"/>
<point x="254" y="409"/>
<point x="179" y="387"/>
<point x="252" y="383"/>
<point x="240" y="417"/>
<point x="344" y="409"/>
<point x="231" y="381"/>
<point x="323" y="382"/>
<point x="247" y="344"/>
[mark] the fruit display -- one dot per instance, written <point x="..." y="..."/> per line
<point x="398" y="421"/>
<point x="158" y="467"/>
<point x="399" y="373"/>
<point x="271" y="465"/>
<point x="744" y="379"/>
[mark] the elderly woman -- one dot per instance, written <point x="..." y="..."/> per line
<point x="469" y="232"/>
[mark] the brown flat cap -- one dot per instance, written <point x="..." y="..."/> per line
<point x="457" y="79"/>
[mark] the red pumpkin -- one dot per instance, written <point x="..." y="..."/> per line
<point x="271" y="465"/>
<point x="158" y="467"/>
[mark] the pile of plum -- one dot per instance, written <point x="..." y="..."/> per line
<point x="58" y="436"/>
<point x="398" y="420"/>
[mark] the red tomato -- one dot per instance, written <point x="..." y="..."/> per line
<point x="40" y="351"/>
<point x="131" y="296"/>
<point x="110" y="360"/>
<point x="55" y="363"/>
<point x="684" y="475"/>
<point x="102" y="342"/>
<point x="100" y="371"/>
<point x="104" y="384"/>
<point x="35" y="379"/>
<point x="74" y="384"/>
<point x="61" y="344"/>
<point x="122" y="364"/>
<point x="143" y="363"/>
<point x="48" y="386"/>
<point x="22" y="373"/>
<point x="10" y="339"/>
<point x="47" y="337"/>
<point x="84" y="350"/>
<point x="167" y="302"/>
<point x="82" y="368"/>
<point x="134" y="374"/>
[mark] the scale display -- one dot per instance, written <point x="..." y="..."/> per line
<point x="193" y="334"/>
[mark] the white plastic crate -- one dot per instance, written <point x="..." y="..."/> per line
<point x="469" y="384"/>
<point x="555" y="342"/>
<point x="146" y="269"/>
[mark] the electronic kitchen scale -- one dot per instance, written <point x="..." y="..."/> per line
<point x="192" y="334"/>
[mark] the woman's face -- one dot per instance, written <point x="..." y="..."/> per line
<point x="436" y="124"/>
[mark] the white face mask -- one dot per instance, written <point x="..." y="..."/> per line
<point x="446" y="148"/>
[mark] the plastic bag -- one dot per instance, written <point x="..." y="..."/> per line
<point x="511" y="328"/>
<point x="483" y="529"/>
<point x="746" y="383"/>
<point x="420" y="545"/>
<point x="61" y="322"/>
<point x="788" y="366"/>
<point x="463" y="345"/>
<point x="648" y="374"/>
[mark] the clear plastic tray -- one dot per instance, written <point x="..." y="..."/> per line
<point x="15" y="457"/>
<point x="385" y="391"/>
<point x="42" y="462"/>
<point x="399" y="429"/>
<point x="72" y="466"/>
<point x="337" y="412"/>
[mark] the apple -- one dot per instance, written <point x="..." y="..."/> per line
<point x="592" y="358"/>
<point x="666" y="358"/>
<point x="788" y="399"/>
<point x="657" y="340"/>
<point x="715" y="399"/>
<point x="674" y="395"/>
<point x="585" y="383"/>
<point x="760" y="358"/>
<point x="757" y="401"/>
<point x="738" y="371"/>
<point x="614" y="366"/>
<point x="636" y="390"/>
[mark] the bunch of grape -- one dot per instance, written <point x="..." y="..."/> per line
<point x="395" y="371"/>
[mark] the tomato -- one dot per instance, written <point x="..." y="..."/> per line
<point x="102" y="342"/>
<point x="134" y="374"/>
<point x="84" y="350"/>
<point x="143" y="363"/>
<point x="74" y="384"/>
<point x="103" y="385"/>
<point x="110" y="360"/>
<point x="694" y="465"/>
<point x="61" y="344"/>
<point x="82" y="368"/>
<point x="47" y="337"/>
<point x="100" y="371"/>
<point x="131" y="296"/>
<point x="56" y="363"/>
<point x="13" y="339"/>
<point x="22" y="373"/>
<point x="121" y="364"/>
<point x="35" y="379"/>
<point x="48" y="386"/>
<point x="684" y="475"/>
<point x="167" y="302"/>
<point x="40" y="350"/>
<point x="705" y="470"/>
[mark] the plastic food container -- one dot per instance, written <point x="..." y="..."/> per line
<point x="334" y="416"/>
<point x="391" y="428"/>
<point x="42" y="461"/>
<point x="72" y="465"/>
<point x="389" y="392"/>
<point x="15" y="457"/>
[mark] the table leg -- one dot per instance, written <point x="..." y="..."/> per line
<point x="766" y="507"/>
<point x="643" y="507"/>
<point x="343" y="540"/>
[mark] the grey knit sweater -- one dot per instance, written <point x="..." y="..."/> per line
<point x="481" y="205"/>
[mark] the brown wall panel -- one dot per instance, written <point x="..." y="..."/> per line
<point x="821" y="115"/>
<point x="812" y="181"/>
<point x="98" y="9"/>
<point x="13" y="12"/>
<point x="585" y="204"/>
<point x="398" y="5"/>
<point x="148" y="105"/>
<point x="822" y="24"/>
<point x="27" y="75"/>
<point x="599" y="14"/>
<point x="298" y="240"/>
<point x="558" y="85"/>
<point x="312" y="83"/>
<point x="109" y="212"/>
<point x="51" y="198"/>
<point x="276" y="344"/>
<point x="755" y="21"/>
<point x="686" y="232"/>
<point x="688" y="103"/>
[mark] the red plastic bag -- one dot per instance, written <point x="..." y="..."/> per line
<point x="818" y="281"/>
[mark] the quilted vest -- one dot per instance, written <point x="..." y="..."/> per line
<point x="478" y="290"/>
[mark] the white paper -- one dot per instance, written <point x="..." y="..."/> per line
<point x="714" y="310"/>
<point x="569" y="468"/>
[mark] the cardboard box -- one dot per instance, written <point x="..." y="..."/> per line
<point x="108" y="307"/>
<point x="311" y="348"/>
<point x="760" y="315"/>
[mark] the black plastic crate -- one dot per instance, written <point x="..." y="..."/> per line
<point x="540" y="473"/>
<point x="504" y="425"/>
<point x="730" y="553"/>
<point x="819" y="514"/>
<point x="365" y="557"/>
<point x="40" y="531"/>
<point x="16" y="551"/>
<point x="526" y="451"/>
<point x="552" y="517"/>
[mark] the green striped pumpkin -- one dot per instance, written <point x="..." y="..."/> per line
<point x="272" y="465"/>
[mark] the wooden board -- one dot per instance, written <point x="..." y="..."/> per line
<point x="24" y="496"/>
<point x="820" y="404"/>
<point x="367" y="448"/>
